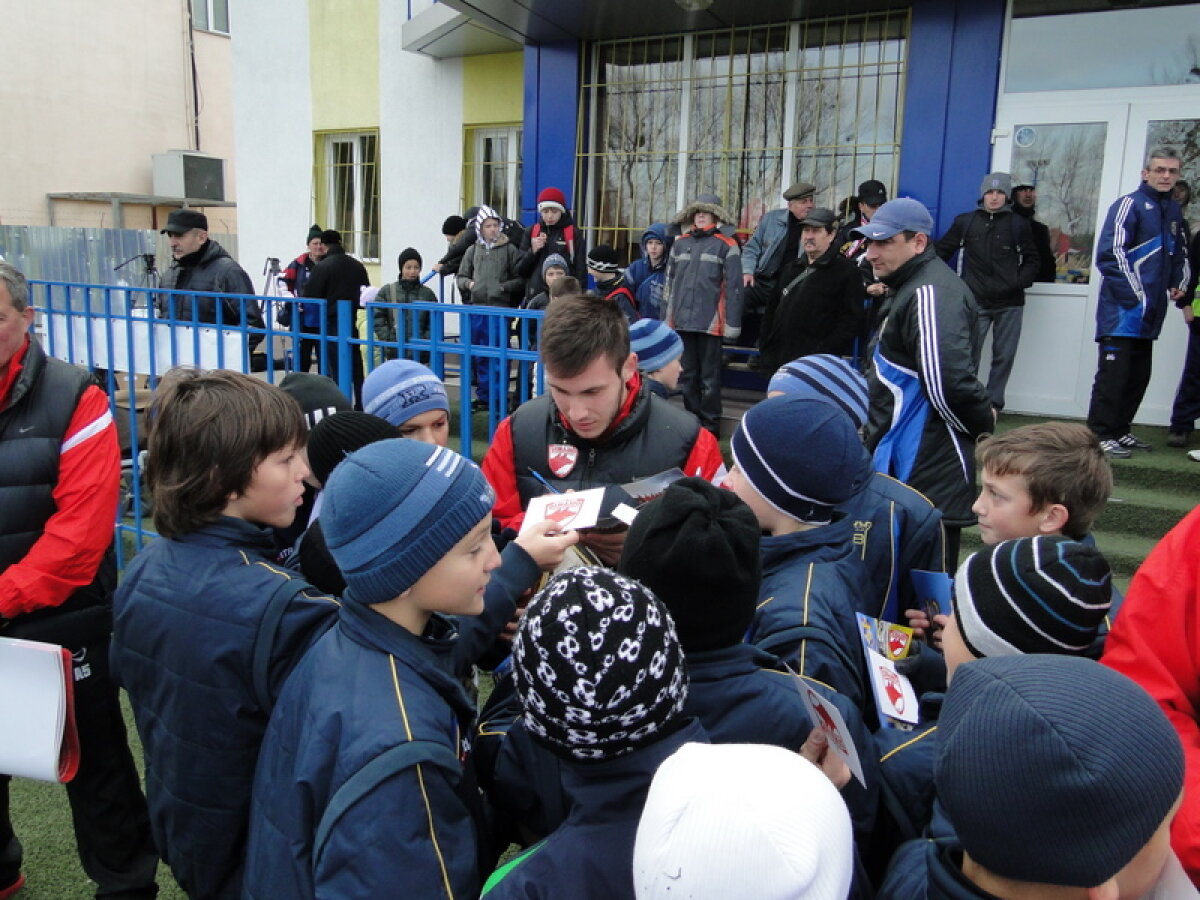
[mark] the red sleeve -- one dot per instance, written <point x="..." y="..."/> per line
<point x="77" y="535"/>
<point x="1155" y="641"/>
<point x="705" y="460"/>
<point x="498" y="469"/>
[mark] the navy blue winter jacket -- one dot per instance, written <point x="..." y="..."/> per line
<point x="206" y="629"/>
<point x="929" y="870"/>
<point x="591" y="854"/>
<point x="1141" y="254"/>
<point x="360" y="790"/>
<point x="896" y="529"/>
<point x="813" y="584"/>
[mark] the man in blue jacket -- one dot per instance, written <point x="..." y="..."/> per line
<point x="1142" y="258"/>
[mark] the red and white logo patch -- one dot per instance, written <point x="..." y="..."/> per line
<point x="562" y="458"/>
<point x="562" y="511"/>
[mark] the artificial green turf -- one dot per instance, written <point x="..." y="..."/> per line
<point x="42" y="819"/>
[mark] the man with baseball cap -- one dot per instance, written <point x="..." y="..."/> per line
<point x="201" y="264"/>
<point x="775" y="242"/>
<point x="927" y="406"/>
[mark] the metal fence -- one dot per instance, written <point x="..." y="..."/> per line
<point x="130" y="337"/>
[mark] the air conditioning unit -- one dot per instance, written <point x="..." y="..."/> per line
<point x="186" y="173"/>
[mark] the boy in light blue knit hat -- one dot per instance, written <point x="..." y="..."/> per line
<point x="658" y="350"/>
<point x="357" y="790"/>
<point x="409" y="396"/>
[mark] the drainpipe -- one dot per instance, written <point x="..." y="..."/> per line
<point x="191" y="46"/>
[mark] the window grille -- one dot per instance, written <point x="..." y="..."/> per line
<point x="347" y="180"/>
<point x="740" y="113"/>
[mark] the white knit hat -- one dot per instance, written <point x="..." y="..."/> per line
<point x="742" y="820"/>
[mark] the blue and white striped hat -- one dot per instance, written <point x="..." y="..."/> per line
<point x="394" y="508"/>
<point x="801" y="455"/>
<point x="823" y="376"/>
<point x="1044" y="594"/>
<point x="655" y="344"/>
<point x="400" y="389"/>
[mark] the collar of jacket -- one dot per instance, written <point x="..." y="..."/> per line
<point x="704" y="232"/>
<point x="943" y="858"/>
<point x="429" y="654"/>
<point x="196" y="257"/>
<point x="910" y="268"/>
<point x="231" y="531"/>
<point x="630" y="417"/>
<point x="23" y="370"/>
<point x="615" y="789"/>
<point x="821" y="544"/>
<point x="825" y="259"/>
<point x="727" y="662"/>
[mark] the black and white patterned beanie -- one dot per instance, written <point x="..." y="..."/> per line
<point x="597" y="665"/>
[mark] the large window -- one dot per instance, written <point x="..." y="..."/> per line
<point x="492" y="168"/>
<point x="348" y="189"/>
<point x="740" y="113"/>
<point x="211" y="15"/>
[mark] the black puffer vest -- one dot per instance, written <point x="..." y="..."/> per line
<point x="32" y="428"/>
<point x="654" y="437"/>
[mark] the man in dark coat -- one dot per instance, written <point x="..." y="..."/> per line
<point x="337" y="279"/>
<point x="202" y="264"/>
<point x="1024" y="203"/>
<point x="818" y="307"/>
<point x="927" y="406"/>
<point x="998" y="260"/>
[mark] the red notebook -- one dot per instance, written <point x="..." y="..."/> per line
<point x="37" y="707"/>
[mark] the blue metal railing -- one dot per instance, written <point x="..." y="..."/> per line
<point x="132" y="336"/>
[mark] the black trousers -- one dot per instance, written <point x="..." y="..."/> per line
<point x="1122" y="374"/>
<point x="700" y="380"/>
<point x="1186" y="408"/>
<point x="108" y="810"/>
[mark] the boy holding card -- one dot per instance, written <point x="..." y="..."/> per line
<point x="697" y="548"/>
<point x="795" y="459"/>
<point x="897" y="530"/>
<point x="1049" y="478"/>
<point x="1041" y="595"/>
<point x="1079" y="804"/>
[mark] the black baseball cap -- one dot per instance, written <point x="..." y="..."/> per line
<point x="182" y="221"/>
<point x="872" y="193"/>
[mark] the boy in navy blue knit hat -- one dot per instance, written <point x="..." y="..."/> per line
<point x="795" y="459"/>
<point x="1060" y="778"/>
<point x="359" y="789"/>
<point x="897" y="530"/>
<point x="658" y="350"/>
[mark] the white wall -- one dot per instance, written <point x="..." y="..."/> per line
<point x="272" y="112"/>
<point x="420" y="136"/>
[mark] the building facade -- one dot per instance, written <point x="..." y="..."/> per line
<point x="386" y="117"/>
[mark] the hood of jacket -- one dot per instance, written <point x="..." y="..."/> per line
<point x="658" y="231"/>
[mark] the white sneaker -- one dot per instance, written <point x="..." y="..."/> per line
<point x="1194" y="455"/>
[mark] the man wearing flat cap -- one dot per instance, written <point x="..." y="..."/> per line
<point x="927" y="405"/>
<point x="775" y="241"/>
<point x="818" y="305"/>
<point x="201" y="264"/>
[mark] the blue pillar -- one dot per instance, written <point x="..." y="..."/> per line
<point x="950" y="103"/>
<point x="551" y="123"/>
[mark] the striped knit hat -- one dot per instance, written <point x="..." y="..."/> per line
<point x="394" y="508"/>
<point x="655" y="344"/>
<point x="603" y="258"/>
<point x="823" y="376"/>
<point x="1046" y="594"/>
<point x="801" y="455"/>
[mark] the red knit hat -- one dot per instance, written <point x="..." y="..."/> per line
<point x="551" y="197"/>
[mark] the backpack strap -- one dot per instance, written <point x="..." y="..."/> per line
<point x="264" y="641"/>
<point x="375" y="773"/>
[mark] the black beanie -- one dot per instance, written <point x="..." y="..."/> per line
<point x="453" y="225"/>
<point x="337" y="436"/>
<point x="314" y="232"/>
<point x="331" y="237"/>
<point x="603" y="258"/>
<point x="697" y="548"/>
<point x="318" y="395"/>
<point x="409" y="253"/>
